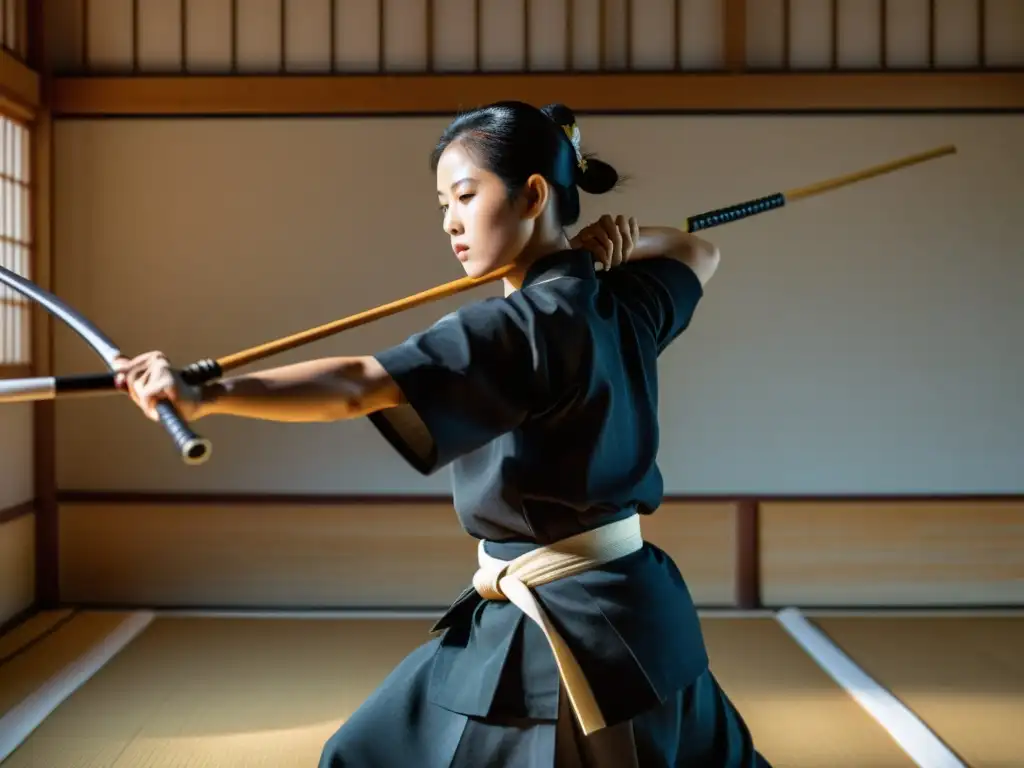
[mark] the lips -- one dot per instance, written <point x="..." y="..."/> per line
<point x="460" y="251"/>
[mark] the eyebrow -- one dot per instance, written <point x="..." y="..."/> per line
<point x="463" y="180"/>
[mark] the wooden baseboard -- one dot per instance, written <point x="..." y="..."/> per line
<point x="331" y="552"/>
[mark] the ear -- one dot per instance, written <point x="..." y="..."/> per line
<point x="535" y="196"/>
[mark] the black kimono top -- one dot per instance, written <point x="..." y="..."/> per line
<point x="544" y="404"/>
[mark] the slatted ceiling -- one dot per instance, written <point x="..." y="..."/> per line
<point x="14" y="27"/>
<point x="158" y="33"/>
<point x="108" y="35"/>
<point x="307" y="36"/>
<point x="767" y="28"/>
<point x="614" y="55"/>
<point x="956" y="34"/>
<point x="652" y="34"/>
<point x="548" y="50"/>
<point x="586" y="35"/>
<point x="357" y="25"/>
<point x="907" y="34"/>
<point x="810" y="34"/>
<point x="859" y="43"/>
<point x="700" y="22"/>
<point x="502" y="31"/>
<point x="64" y="35"/>
<point x="208" y="25"/>
<point x="259" y="36"/>
<point x="1004" y="33"/>
<point x="454" y="24"/>
<point x="405" y="48"/>
<point x="303" y="36"/>
<point x="15" y="240"/>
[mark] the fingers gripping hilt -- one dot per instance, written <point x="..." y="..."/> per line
<point x="734" y="212"/>
<point x="193" y="448"/>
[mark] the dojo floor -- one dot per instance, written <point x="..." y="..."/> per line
<point x="96" y="689"/>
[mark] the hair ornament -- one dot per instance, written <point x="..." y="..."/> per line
<point x="572" y="132"/>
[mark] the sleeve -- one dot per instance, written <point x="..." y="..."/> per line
<point x="471" y="377"/>
<point x="661" y="291"/>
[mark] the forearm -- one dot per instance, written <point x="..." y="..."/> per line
<point x="673" y="243"/>
<point x="320" y="390"/>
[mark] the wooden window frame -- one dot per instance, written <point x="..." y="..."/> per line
<point x="21" y="100"/>
<point x="27" y="242"/>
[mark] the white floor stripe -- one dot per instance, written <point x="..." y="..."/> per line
<point x="915" y="613"/>
<point x="913" y="736"/>
<point x="203" y="613"/>
<point x="214" y="613"/>
<point x="18" y="723"/>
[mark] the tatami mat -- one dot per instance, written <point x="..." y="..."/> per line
<point x="21" y="636"/>
<point x="964" y="677"/>
<point x="799" y="717"/>
<point x="221" y="692"/>
<point x="256" y="692"/>
<point x="43" y="647"/>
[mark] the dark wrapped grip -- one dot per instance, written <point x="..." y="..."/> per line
<point x="193" y="448"/>
<point x="84" y="384"/>
<point x="734" y="212"/>
<point x="201" y="371"/>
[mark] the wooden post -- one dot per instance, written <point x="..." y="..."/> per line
<point x="734" y="35"/>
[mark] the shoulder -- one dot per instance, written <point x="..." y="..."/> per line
<point x="661" y="293"/>
<point x="673" y="276"/>
<point x="557" y="311"/>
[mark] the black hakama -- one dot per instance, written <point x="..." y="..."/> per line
<point x="544" y="405"/>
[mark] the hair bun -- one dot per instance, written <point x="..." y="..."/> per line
<point x="560" y="113"/>
<point x="592" y="176"/>
<point x="598" y="178"/>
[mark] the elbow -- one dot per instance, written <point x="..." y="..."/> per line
<point x="341" y="408"/>
<point x="359" y="387"/>
<point x="703" y="258"/>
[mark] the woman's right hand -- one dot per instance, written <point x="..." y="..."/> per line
<point x="610" y="239"/>
<point x="149" y="378"/>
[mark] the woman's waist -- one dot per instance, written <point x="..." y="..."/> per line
<point x="554" y="531"/>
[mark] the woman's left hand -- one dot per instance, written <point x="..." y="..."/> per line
<point x="149" y="378"/>
<point x="611" y="240"/>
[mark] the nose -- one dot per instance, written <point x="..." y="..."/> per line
<point x="451" y="224"/>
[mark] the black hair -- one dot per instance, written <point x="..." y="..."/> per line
<point x="515" y="140"/>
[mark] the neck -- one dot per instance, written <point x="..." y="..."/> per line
<point x="529" y="256"/>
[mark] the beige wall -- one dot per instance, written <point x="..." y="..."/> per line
<point x="17" y="536"/>
<point x="864" y="341"/>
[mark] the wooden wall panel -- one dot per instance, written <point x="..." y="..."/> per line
<point x="378" y="554"/>
<point x="834" y="553"/>
<point x="17" y="566"/>
<point x="701" y="538"/>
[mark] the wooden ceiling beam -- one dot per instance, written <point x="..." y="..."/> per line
<point x="405" y="94"/>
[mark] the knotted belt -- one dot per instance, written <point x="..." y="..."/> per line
<point x="513" y="580"/>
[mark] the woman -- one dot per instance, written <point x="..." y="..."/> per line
<point x="544" y="404"/>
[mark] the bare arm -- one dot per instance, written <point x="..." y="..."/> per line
<point x="324" y="389"/>
<point x="698" y="254"/>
